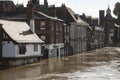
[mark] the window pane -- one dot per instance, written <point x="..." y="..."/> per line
<point x="22" y="48"/>
<point x="43" y="25"/>
<point x="35" y="47"/>
<point x="43" y="37"/>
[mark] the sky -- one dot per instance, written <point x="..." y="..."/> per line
<point x="89" y="7"/>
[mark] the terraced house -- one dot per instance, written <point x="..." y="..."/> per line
<point x="78" y="28"/>
<point x="108" y="22"/>
<point x="62" y="30"/>
<point x="48" y="28"/>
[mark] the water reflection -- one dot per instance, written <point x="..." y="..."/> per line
<point x="101" y="64"/>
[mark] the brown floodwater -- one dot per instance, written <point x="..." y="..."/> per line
<point x="102" y="64"/>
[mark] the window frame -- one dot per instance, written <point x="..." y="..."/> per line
<point x="42" y="25"/>
<point x="22" y="48"/>
<point x="35" y="47"/>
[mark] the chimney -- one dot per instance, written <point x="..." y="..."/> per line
<point x="77" y="16"/>
<point x="30" y="10"/>
<point x="63" y="12"/>
<point x="32" y="25"/>
<point x="35" y="2"/>
<point x="1" y="6"/>
<point x="101" y="17"/>
<point x="30" y="14"/>
<point x="52" y="10"/>
<point x="46" y="3"/>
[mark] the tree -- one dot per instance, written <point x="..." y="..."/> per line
<point x="117" y="11"/>
<point x="117" y="14"/>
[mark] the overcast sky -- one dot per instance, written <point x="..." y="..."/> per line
<point x="89" y="7"/>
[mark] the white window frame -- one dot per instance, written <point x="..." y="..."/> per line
<point x="35" y="47"/>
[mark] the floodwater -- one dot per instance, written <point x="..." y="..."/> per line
<point x="103" y="64"/>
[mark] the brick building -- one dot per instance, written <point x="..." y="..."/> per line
<point x="95" y="33"/>
<point x="108" y="22"/>
<point x="77" y="26"/>
<point x="47" y="27"/>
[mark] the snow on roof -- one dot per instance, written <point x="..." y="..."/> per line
<point x="47" y="16"/>
<point x="19" y="32"/>
<point x="79" y="21"/>
<point x="116" y="25"/>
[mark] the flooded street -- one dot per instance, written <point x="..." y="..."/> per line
<point x="103" y="64"/>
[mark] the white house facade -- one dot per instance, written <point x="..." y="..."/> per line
<point x="20" y="45"/>
<point x="11" y="50"/>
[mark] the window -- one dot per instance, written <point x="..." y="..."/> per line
<point x="52" y="39"/>
<point x="65" y="29"/>
<point x="57" y="28"/>
<point x="5" y="36"/>
<point x="43" y="25"/>
<point x="35" y="47"/>
<point x="111" y="30"/>
<point x="52" y="25"/>
<point x="43" y="37"/>
<point x="22" y="48"/>
<point x="68" y="29"/>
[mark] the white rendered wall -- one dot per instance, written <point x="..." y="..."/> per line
<point x="8" y="49"/>
<point x="12" y="50"/>
<point x="30" y="51"/>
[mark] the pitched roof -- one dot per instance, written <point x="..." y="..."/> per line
<point x="78" y="20"/>
<point x="116" y="25"/>
<point x="47" y="16"/>
<point x="90" y="27"/>
<point x="20" y="32"/>
<point x="8" y="3"/>
<point x="109" y="17"/>
<point x="99" y="28"/>
<point x="37" y="15"/>
<point x="72" y="13"/>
